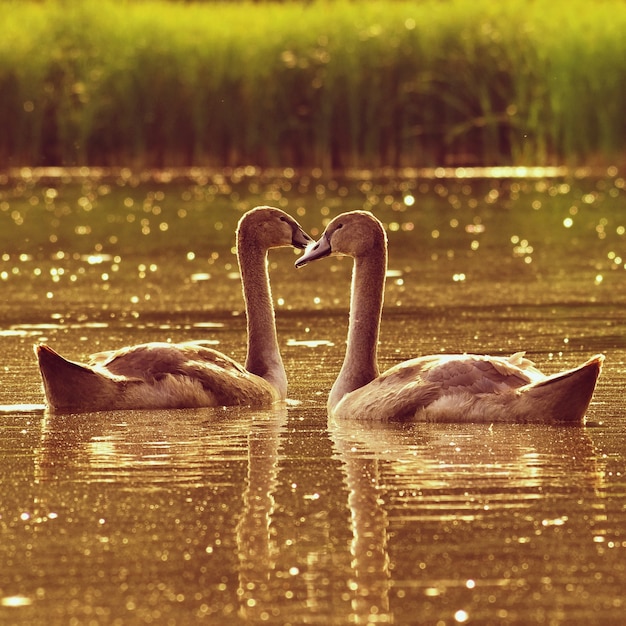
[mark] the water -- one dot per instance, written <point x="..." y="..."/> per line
<point x="246" y="516"/>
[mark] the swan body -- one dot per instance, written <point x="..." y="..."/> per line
<point x="444" y="387"/>
<point x="188" y="375"/>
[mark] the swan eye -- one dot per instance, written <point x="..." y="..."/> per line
<point x="340" y="225"/>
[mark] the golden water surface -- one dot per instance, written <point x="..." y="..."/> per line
<point x="226" y="516"/>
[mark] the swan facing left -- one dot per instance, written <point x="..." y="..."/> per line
<point x="187" y="375"/>
<point x="441" y="387"/>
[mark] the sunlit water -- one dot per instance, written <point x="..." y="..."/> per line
<point x="244" y="516"/>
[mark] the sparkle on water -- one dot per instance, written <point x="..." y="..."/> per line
<point x="278" y="516"/>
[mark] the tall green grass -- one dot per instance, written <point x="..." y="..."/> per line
<point x="322" y="84"/>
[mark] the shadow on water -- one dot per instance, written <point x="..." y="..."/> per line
<point x="278" y="516"/>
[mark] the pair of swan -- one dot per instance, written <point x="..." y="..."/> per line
<point x="435" y="388"/>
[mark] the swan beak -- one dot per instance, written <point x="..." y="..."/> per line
<point x="318" y="250"/>
<point x="300" y="239"/>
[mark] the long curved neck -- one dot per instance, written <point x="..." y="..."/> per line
<point x="263" y="356"/>
<point x="366" y="304"/>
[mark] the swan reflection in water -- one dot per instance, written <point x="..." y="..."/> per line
<point x="433" y="518"/>
<point x="199" y="481"/>
<point x="446" y="517"/>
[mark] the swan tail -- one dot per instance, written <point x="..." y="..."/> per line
<point x="564" y="397"/>
<point x="68" y="385"/>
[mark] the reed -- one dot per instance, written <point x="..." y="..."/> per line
<point x="325" y="84"/>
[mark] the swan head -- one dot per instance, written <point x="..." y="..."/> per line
<point x="353" y="234"/>
<point x="272" y="228"/>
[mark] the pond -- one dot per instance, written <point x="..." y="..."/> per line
<point x="278" y="516"/>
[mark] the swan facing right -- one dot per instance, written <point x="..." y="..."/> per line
<point x="445" y="387"/>
<point x="187" y="375"/>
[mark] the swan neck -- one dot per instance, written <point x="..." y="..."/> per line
<point x="360" y="363"/>
<point x="263" y="354"/>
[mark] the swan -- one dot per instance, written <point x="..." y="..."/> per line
<point x="443" y="387"/>
<point x="186" y="375"/>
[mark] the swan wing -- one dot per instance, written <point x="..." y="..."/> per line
<point x="477" y="373"/>
<point x="406" y="388"/>
<point x="228" y="381"/>
<point x="151" y="360"/>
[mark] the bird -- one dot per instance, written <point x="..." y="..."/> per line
<point x="434" y="388"/>
<point x="161" y="375"/>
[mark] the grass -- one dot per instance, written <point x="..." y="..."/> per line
<point x="324" y="84"/>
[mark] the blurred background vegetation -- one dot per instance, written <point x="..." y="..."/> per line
<point x="333" y="85"/>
